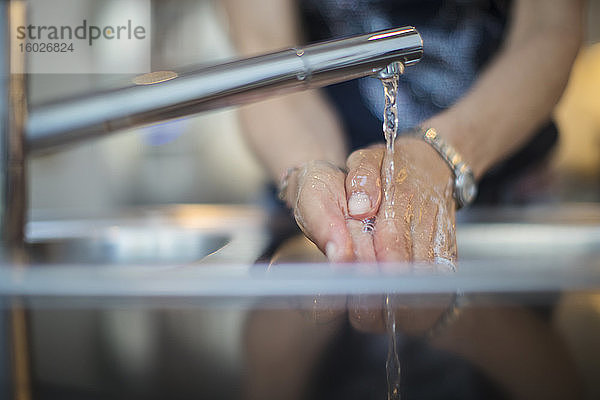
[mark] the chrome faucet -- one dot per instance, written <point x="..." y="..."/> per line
<point x="159" y="96"/>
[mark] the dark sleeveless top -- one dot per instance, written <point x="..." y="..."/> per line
<point x="459" y="38"/>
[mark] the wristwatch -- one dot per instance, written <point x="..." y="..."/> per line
<point x="465" y="187"/>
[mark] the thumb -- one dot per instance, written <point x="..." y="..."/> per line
<point x="320" y="210"/>
<point x="363" y="183"/>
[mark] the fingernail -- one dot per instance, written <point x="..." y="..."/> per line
<point x="331" y="251"/>
<point x="359" y="203"/>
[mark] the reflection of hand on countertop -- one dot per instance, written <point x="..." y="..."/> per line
<point x="415" y="315"/>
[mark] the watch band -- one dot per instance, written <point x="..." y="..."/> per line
<point x="448" y="153"/>
<point x="463" y="175"/>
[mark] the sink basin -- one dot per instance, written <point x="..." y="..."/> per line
<point x="566" y="234"/>
<point x="171" y="235"/>
<point x="520" y="251"/>
<point x="138" y="331"/>
<point x="510" y="241"/>
<point x="131" y="246"/>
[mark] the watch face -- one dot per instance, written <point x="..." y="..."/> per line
<point x="466" y="189"/>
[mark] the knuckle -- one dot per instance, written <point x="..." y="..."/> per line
<point x="355" y="157"/>
<point x="371" y="155"/>
<point x="369" y="168"/>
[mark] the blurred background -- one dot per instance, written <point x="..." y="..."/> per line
<point x="195" y="160"/>
<point x="203" y="159"/>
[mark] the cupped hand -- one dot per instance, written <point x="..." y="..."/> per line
<point x="414" y="224"/>
<point x="316" y="193"/>
<point x="317" y="196"/>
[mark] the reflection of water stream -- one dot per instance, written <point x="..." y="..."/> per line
<point x="392" y="364"/>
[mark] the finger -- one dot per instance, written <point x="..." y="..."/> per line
<point x="363" y="183"/>
<point x="366" y="313"/>
<point x="424" y="221"/>
<point x="417" y="313"/>
<point x="362" y="241"/>
<point x="434" y="236"/>
<point x="392" y="239"/>
<point x="321" y="211"/>
<point x="445" y="248"/>
<point x="323" y="309"/>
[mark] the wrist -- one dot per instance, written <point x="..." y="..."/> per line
<point x="425" y="155"/>
<point x="465" y="187"/>
<point x="458" y="135"/>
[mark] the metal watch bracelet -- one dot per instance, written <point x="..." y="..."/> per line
<point x="465" y="187"/>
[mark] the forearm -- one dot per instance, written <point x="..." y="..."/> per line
<point x="520" y="88"/>
<point x="286" y="132"/>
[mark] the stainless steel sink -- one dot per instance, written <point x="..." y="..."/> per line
<point x="185" y="279"/>
<point x="564" y="233"/>
<point x="512" y="241"/>
<point x="551" y="248"/>
<point x="171" y="235"/>
<point x="128" y="246"/>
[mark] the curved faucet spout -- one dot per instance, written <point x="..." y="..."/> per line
<point x="147" y="101"/>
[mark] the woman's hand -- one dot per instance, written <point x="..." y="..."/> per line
<point x="415" y="222"/>
<point x="317" y="196"/>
